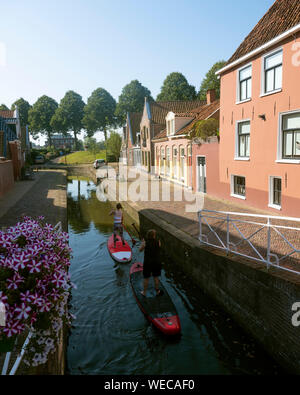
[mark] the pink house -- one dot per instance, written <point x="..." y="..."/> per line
<point x="192" y="163"/>
<point x="259" y="153"/>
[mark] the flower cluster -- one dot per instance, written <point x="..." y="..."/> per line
<point x="35" y="284"/>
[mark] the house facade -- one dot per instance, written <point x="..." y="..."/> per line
<point x="259" y="152"/>
<point x="131" y="145"/>
<point x="183" y="160"/>
<point x="154" y="121"/>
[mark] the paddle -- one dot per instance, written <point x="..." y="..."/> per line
<point x="132" y="239"/>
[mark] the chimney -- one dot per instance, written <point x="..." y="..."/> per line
<point x="210" y="96"/>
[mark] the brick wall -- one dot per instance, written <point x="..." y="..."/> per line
<point x="6" y="177"/>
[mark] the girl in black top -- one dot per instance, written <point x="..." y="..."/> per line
<point x="152" y="263"/>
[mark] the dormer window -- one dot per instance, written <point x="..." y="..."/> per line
<point x="170" y="122"/>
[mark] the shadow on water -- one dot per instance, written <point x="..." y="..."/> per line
<point x="110" y="334"/>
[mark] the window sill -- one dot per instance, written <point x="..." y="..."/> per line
<point x="241" y="158"/>
<point x="293" y="161"/>
<point x="271" y="93"/>
<point x="238" y="196"/>
<point x="244" y="101"/>
<point x="274" y="206"/>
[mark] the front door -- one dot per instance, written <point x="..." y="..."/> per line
<point x="201" y="170"/>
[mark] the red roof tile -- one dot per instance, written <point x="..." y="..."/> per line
<point x="282" y="16"/>
<point x="7" y="114"/>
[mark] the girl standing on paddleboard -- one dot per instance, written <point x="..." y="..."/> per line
<point x="152" y="263"/>
<point x="118" y="223"/>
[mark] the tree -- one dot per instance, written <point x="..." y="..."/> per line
<point x="131" y="99"/>
<point x="69" y="114"/>
<point x="114" y="144"/>
<point x="3" y="107"/>
<point x="99" y="112"/>
<point x="91" y="145"/>
<point x="176" y="87"/>
<point x="40" y="116"/>
<point x="24" y="108"/>
<point x="211" y="81"/>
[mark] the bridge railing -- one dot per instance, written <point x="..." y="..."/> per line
<point x="274" y="241"/>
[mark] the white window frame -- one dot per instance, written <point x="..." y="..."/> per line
<point x="238" y="93"/>
<point x="280" y="139"/>
<point x="271" y="193"/>
<point x="262" y="88"/>
<point x="236" y="153"/>
<point x="232" y="187"/>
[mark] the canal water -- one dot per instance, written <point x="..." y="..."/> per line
<point x="111" y="336"/>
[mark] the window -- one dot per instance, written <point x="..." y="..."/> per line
<point x="243" y="139"/>
<point x="170" y="127"/>
<point x="174" y="162"/>
<point x="272" y="72"/>
<point x="291" y="136"/>
<point x="182" y="158"/>
<point x="275" y="192"/>
<point x="245" y="83"/>
<point x="238" y="186"/>
<point x="167" y="161"/>
<point x="162" y="160"/>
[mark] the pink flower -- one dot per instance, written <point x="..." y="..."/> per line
<point x="26" y="297"/>
<point x="58" y="280"/>
<point x="15" y="281"/>
<point x="11" y="328"/>
<point x="5" y="240"/>
<point x="45" y="307"/>
<point x="34" y="266"/>
<point x="3" y="298"/>
<point x="20" y="260"/>
<point x="22" y="311"/>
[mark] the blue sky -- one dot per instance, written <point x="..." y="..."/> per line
<point x="54" y="46"/>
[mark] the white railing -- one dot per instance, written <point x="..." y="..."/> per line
<point x="274" y="241"/>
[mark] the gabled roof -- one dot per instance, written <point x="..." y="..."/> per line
<point x="282" y="16"/>
<point x="159" y="110"/>
<point x="134" y="120"/>
<point x="199" y="114"/>
<point x="7" y="114"/>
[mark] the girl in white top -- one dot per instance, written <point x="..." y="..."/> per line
<point x="118" y="220"/>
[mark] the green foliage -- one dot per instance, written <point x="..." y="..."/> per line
<point x="99" y="112"/>
<point x="205" y="128"/>
<point x="3" y="107"/>
<point x="114" y="144"/>
<point x="24" y="108"/>
<point x="211" y="81"/>
<point x="40" y="116"/>
<point x="176" y="87"/>
<point x="68" y="116"/>
<point x="131" y="99"/>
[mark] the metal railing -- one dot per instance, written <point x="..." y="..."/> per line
<point x="274" y="241"/>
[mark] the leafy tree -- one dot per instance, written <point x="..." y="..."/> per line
<point x="24" y="108"/>
<point x="176" y="87"/>
<point x="131" y="99"/>
<point x="40" y="116"/>
<point x="211" y="81"/>
<point x="3" y="107"/>
<point x="99" y="112"/>
<point x="69" y="114"/>
<point x="114" y="144"/>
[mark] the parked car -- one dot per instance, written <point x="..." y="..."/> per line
<point x="39" y="159"/>
<point x="98" y="163"/>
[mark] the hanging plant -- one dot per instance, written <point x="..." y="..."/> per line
<point x="204" y="129"/>
<point x="34" y="285"/>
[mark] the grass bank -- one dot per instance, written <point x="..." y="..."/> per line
<point x="81" y="157"/>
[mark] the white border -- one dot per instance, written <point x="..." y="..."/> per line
<point x="197" y="173"/>
<point x="236" y="153"/>
<point x="279" y="158"/>
<point x="262" y="80"/>
<point x="232" y="187"/>
<point x="238" y="101"/>
<point x="271" y="190"/>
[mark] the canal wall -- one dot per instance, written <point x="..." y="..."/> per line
<point x="260" y="300"/>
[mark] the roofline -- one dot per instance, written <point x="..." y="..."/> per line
<point x="274" y="41"/>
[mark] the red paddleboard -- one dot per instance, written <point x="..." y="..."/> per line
<point x="159" y="310"/>
<point x="121" y="253"/>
